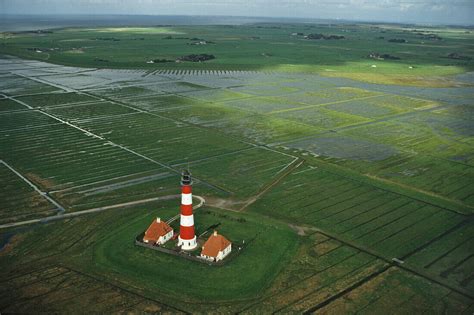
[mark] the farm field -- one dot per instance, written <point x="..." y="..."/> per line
<point x="70" y="290"/>
<point x="20" y="201"/>
<point x="324" y="266"/>
<point x="344" y="196"/>
<point x="264" y="47"/>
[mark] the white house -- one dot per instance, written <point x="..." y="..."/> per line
<point x="216" y="248"/>
<point x="159" y="232"/>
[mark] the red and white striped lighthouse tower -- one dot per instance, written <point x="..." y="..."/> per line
<point x="187" y="238"/>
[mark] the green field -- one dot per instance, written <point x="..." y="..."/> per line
<point x="102" y="250"/>
<point x="350" y="196"/>
<point x="269" y="47"/>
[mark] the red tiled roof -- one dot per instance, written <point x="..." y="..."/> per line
<point x="156" y="230"/>
<point x="214" y="244"/>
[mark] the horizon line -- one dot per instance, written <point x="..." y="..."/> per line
<point x="243" y="16"/>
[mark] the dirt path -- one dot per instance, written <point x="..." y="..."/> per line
<point x="100" y="209"/>
<point x="297" y="162"/>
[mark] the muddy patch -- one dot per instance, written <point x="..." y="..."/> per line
<point x="42" y="182"/>
<point x="226" y="204"/>
<point x="8" y="241"/>
<point x="345" y="148"/>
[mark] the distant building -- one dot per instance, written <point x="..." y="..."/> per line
<point x="159" y="232"/>
<point x="216" y="248"/>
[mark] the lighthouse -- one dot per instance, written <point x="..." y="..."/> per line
<point x="187" y="238"/>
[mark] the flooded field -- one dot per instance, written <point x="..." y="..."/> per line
<point x="366" y="174"/>
<point x="345" y="121"/>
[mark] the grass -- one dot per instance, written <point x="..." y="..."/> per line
<point x="400" y="293"/>
<point x="104" y="253"/>
<point x="19" y="201"/>
<point x="89" y="111"/>
<point x="135" y="186"/>
<point x="9" y="105"/>
<point x="14" y="85"/>
<point x="75" y="291"/>
<point x="391" y="224"/>
<point x="157" y="138"/>
<point x="245" y="276"/>
<point x="239" y="123"/>
<point x="65" y="157"/>
<point x="386" y="172"/>
<point x="318" y="267"/>
<point x="24" y="119"/>
<point x="257" y="47"/>
<point x="53" y="99"/>
<point x="449" y="257"/>
<point x="321" y="267"/>
<point x="243" y="173"/>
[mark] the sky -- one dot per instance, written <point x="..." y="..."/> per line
<point x="400" y="11"/>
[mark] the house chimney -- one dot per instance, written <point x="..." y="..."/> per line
<point x="158" y="220"/>
<point x="215" y="233"/>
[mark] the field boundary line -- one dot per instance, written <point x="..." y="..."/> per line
<point x="17" y="101"/>
<point x="59" y="73"/>
<point x="62" y="87"/>
<point x="424" y="192"/>
<point x="324" y="199"/>
<point x="453" y="268"/>
<point x="108" y="282"/>
<point x="380" y="184"/>
<point x="73" y="104"/>
<point x="213" y="157"/>
<point x="149" y="172"/>
<point x="26" y="273"/>
<point x="325" y="269"/>
<point x="412" y="270"/>
<point x="353" y="227"/>
<point x="337" y="204"/>
<point x="115" y="144"/>
<point x="29" y="127"/>
<point x="323" y="104"/>
<point x="88" y="133"/>
<point x="43" y="194"/>
<point x="92" y="88"/>
<point x="346" y="290"/>
<point x="99" y="209"/>
<point x="346" y="276"/>
<point x="362" y="124"/>
<point x="285" y="171"/>
<point x="153" y="113"/>
<point x="45" y="278"/>
<point x="435" y="239"/>
<point x="376" y="207"/>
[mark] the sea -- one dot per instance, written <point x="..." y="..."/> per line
<point x="18" y="23"/>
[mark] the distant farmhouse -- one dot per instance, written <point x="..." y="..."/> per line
<point x="216" y="248"/>
<point x="159" y="232"/>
